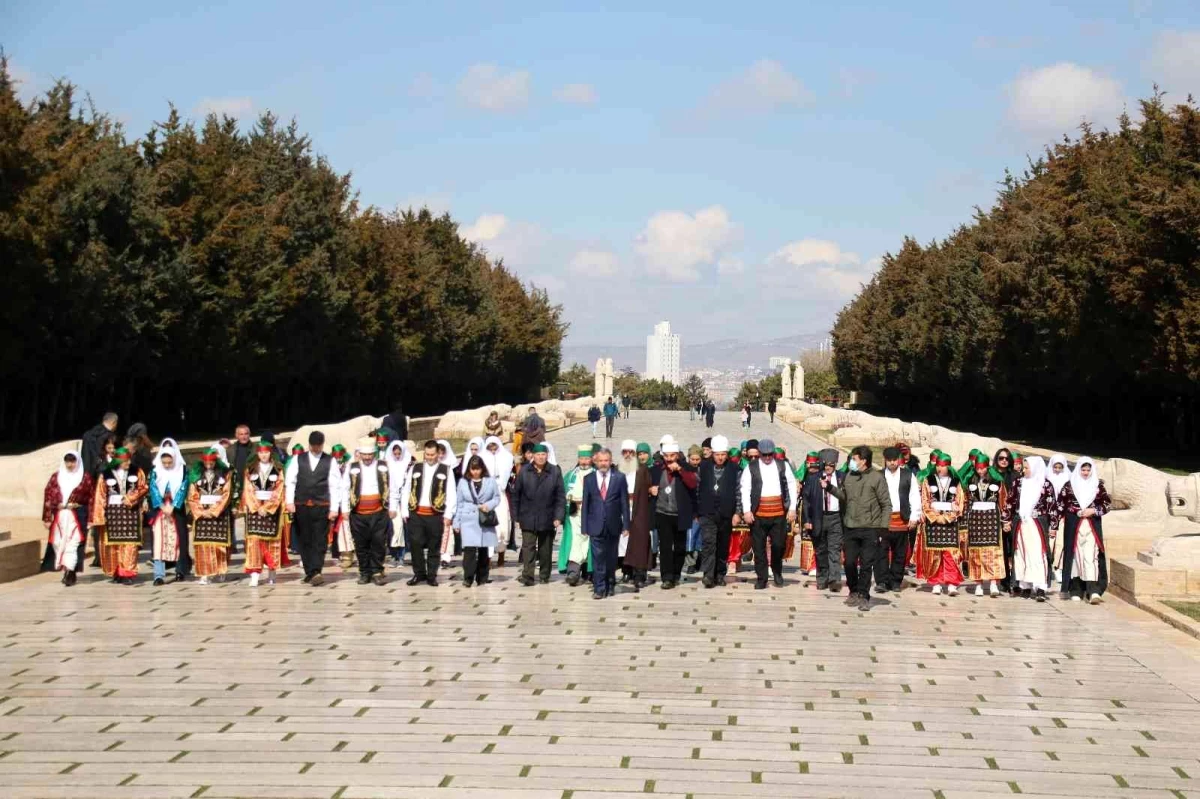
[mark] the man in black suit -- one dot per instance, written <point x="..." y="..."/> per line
<point x="604" y="518"/>
<point x="718" y="505"/>
<point x="823" y="520"/>
<point x="538" y="503"/>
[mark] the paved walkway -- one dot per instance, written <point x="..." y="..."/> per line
<point x="498" y="691"/>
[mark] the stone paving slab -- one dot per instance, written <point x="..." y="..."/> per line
<point x="505" y="691"/>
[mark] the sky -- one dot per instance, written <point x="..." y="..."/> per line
<point x="736" y="169"/>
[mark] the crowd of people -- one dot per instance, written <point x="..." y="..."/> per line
<point x="712" y="508"/>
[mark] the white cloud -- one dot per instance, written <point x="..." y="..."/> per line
<point x="1055" y="99"/>
<point x="236" y="107"/>
<point x="764" y="87"/>
<point x="486" y="87"/>
<point x="520" y="245"/>
<point x="1175" y="62"/>
<point x="576" y="94"/>
<point x="674" y="243"/>
<point x="825" y="265"/>
<point x="594" y="263"/>
<point x="484" y="229"/>
<point x="730" y="266"/>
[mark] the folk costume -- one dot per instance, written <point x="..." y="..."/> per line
<point x="168" y="515"/>
<point x="1085" y="565"/>
<point x="499" y="463"/>
<point x="117" y="511"/>
<point x="449" y="546"/>
<point x="904" y="492"/>
<point x="314" y="488"/>
<point x="264" y="484"/>
<point x="428" y="501"/>
<point x="769" y="491"/>
<point x="65" y="513"/>
<point x="398" y="460"/>
<point x="1032" y="512"/>
<point x="942" y="504"/>
<point x="289" y="518"/>
<point x="1059" y="480"/>
<point x="210" y="497"/>
<point x="368" y="501"/>
<point x="808" y="552"/>
<point x="574" y="550"/>
<point x="739" y="534"/>
<point x="986" y="496"/>
<point x="341" y="540"/>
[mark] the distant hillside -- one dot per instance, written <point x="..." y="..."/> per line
<point x="721" y="354"/>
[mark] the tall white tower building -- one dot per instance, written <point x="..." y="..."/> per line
<point x="662" y="354"/>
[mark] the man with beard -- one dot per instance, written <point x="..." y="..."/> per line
<point x="718" y="503"/>
<point x="368" y="500"/>
<point x="641" y="517"/>
<point x="768" y="490"/>
<point x="671" y="485"/>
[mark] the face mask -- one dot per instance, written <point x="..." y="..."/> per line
<point x="854" y="466"/>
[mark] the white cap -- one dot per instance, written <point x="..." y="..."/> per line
<point x="628" y="444"/>
<point x="366" y="445"/>
<point x="667" y="439"/>
<point x="670" y="446"/>
<point x="719" y="444"/>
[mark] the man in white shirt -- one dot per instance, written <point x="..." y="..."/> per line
<point x="769" y="496"/>
<point x="427" y="504"/>
<point x="313" y="493"/>
<point x="906" y="509"/>
<point x="368" y="499"/>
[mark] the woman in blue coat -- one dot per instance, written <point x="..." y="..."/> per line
<point x="476" y="492"/>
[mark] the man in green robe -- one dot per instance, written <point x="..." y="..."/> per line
<point x="574" y="550"/>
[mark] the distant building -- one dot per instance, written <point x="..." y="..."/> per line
<point x="662" y="354"/>
<point x="776" y="362"/>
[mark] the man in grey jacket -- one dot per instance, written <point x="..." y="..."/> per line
<point x="867" y="506"/>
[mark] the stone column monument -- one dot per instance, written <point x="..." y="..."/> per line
<point x="608" y="377"/>
<point x="598" y="389"/>
<point x="798" y="382"/>
<point x="785" y="375"/>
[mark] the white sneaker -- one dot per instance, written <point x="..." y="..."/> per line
<point x="1094" y="599"/>
<point x="1076" y="599"/>
<point x="994" y="590"/>
<point x="203" y="581"/>
<point x="270" y="577"/>
<point x="952" y="590"/>
<point x="937" y="590"/>
<point x="812" y="572"/>
<point x="979" y="590"/>
<point x="254" y="579"/>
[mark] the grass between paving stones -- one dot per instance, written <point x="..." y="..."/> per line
<point x="1189" y="609"/>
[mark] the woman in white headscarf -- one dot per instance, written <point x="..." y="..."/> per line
<point x="1084" y="502"/>
<point x="1058" y="472"/>
<point x="551" y="458"/>
<point x="499" y="462"/>
<point x="1032" y="512"/>
<point x="65" y="514"/>
<point x="168" y="520"/>
<point x="450" y="461"/>
<point x="399" y="460"/>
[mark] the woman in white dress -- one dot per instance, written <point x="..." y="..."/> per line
<point x="1032" y="512"/>
<point x="1085" y="502"/>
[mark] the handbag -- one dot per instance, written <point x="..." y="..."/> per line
<point x="487" y="518"/>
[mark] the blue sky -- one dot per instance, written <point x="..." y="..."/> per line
<point x="736" y="169"/>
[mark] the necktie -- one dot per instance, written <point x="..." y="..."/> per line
<point x="604" y="487"/>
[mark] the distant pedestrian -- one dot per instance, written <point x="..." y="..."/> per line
<point x="92" y="453"/>
<point x="610" y="417"/>
<point x="626" y="402"/>
<point x="593" y="417"/>
<point x="710" y="414"/>
<point x="771" y="406"/>
<point x="534" y="428"/>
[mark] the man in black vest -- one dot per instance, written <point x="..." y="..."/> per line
<point x="430" y="499"/>
<point x="313" y="496"/>
<point x="719" y="502"/>
<point x="906" y="505"/>
<point x="768" y="490"/>
<point x="370" y="503"/>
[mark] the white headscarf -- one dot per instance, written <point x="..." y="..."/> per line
<point x="1058" y="480"/>
<point x="1085" y="488"/>
<point x="550" y="456"/>
<point x="466" y="458"/>
<point x="68" y="481"/>
<point x="397" y="463"/>
<point x="500" y="462"/>
<point x="1031" y="487"/>
<point x="165" y="478"/>
<point x="221" y="453"/>
<point x="451" y="460"/>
